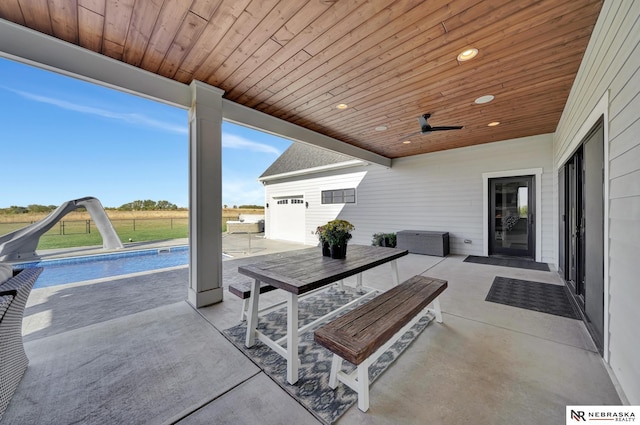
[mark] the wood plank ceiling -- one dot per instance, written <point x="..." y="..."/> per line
<point x="390" y="61"/>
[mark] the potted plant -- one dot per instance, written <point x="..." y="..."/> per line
<point x="384" y="239"/>
<point x="336" y="234"/>
<point x="326" y="251"/>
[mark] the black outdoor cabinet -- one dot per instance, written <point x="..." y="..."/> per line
<point x="424" y="242"/>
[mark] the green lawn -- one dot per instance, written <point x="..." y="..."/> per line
<point x="77" y="234"/>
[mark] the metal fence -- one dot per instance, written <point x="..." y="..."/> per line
<point x="76" y="227"/>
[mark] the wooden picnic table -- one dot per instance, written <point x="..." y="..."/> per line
<point x="300" y="274"/>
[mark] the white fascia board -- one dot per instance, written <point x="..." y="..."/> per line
<point x="41" y="50"/>
<point x="330" y="167"/>
<point x="242" y="115"/>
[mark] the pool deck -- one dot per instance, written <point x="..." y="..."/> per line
<point x="234" y="245"/>
<point x="132" y="350"/>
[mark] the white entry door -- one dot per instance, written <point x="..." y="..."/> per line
<point x="287" y="219"/>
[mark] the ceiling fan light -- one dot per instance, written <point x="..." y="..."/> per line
<point x="467" y="54"/>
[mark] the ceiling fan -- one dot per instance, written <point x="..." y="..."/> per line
<point x="426" y="128"/>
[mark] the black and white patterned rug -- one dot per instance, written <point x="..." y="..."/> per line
<point x="537" y="296"/>
<point x="312" y="389"/>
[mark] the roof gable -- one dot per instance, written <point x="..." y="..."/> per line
<point x="301" y="156"/>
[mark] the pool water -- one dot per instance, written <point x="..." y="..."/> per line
<point x="76" y="269"/>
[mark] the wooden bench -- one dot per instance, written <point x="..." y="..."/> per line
<point x="365" y="333"/>
<point x="243" y="290"/>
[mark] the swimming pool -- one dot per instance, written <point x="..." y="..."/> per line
<point x="77" y="269"/>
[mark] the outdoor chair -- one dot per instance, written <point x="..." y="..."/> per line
<point x="13" y="359"/>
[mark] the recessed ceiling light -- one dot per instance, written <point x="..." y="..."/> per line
<point x="406" y="142"/>
<point x="342" y="106"/>
<point x="484" y="99"/>
<point x="467" y="54"/>
<point x="381" y="128"/>
<point x="494" y="123"/>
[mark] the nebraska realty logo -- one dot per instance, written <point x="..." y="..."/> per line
<point x="578" y="414"/>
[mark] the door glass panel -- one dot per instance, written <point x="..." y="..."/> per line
<point x="511" y="216"/>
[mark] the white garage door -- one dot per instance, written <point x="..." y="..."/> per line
<point x="288" y="219"/>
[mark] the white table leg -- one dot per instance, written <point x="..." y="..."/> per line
<point x="359" y="283"/>
<point x="292" y="338"/>
<point x="436" y="310"/>
<point x="363" y="385"/>
<point x="245" y="308"/>
<point x="336" y="366"/>
<point x="394" y="272"/>
<point x="252" y="314"/>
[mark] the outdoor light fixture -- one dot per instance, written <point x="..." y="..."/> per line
<point x="381" y="128"/>
<point x="494" y="123"/>
<point x="306" y="204"/>
<point x="484" y="99"/>
<point x="467" y="54"/>
<point x="267" y="205"/>
<point x="342" y="106"/>
<point x="406" y="142"/>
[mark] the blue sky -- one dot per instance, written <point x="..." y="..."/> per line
<point x="63" y="138"/>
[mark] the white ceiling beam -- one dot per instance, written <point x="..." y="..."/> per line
<point x="240" y="114"/>
<point x="43" y="51"/>
<point x="37" y="49"/>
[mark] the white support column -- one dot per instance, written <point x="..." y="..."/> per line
<point x="205" y="195"/>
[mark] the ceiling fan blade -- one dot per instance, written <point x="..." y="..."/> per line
<point x="406" y="136"/>
<point x="454" y="127"/>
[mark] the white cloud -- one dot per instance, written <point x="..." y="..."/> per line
<point x="131" y="118"/>
<point x="242" y="192"/>
<point x="232" y="141"/>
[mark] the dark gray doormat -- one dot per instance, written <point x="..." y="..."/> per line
<point x="537" y="296"/>
<point x="508" y="262"/>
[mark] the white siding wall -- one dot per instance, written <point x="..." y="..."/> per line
<point x="439" y="191"/>
<point x="311" y="187"/>
<point x="610" y="71"/>
<point x="443" y="191"/>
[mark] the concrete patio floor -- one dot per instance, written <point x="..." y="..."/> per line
<point x="132" y="350"/>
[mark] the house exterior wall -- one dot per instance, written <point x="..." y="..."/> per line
<point x="310" y="188"/>
<point x="440" y="191"/>
<point x="608" y="83"/>
<point x="443" y="191"/>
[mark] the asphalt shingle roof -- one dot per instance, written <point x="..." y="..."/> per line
<point x="301" y="156"/>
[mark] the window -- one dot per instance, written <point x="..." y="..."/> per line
<point x="290" y="201"/>
<point x="340" y="196"/>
